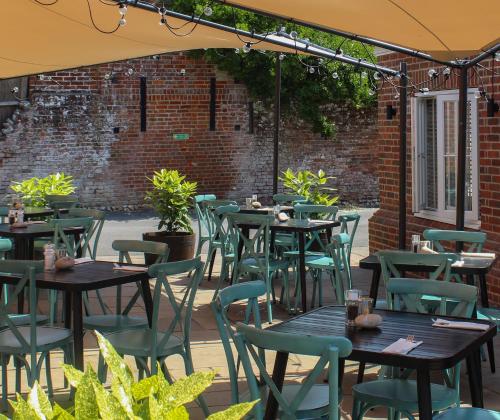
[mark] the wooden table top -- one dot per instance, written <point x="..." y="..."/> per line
<point x="442" y="348"/>
<point x="86" y="276"/>
<point x="33" y="230"/>
<point x="471" y="265"/>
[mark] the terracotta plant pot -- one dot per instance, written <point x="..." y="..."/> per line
<point x="181" y="244"/>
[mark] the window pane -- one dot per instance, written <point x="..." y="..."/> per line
<point x="450" y="141"/>
<point x="429" y="178"/>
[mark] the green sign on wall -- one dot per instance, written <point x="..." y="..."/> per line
<point x="181" y="136"/>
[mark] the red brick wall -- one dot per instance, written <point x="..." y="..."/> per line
<point x="383" y="226"/>
<point x="68" y="125"/>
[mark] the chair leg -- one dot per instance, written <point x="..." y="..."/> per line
<point x="48" y="376"/>
<point x="491" y="355"/>
<point x="356" y="409"/>
<point x="315" y="284"/>
<point x="268" y="297"/>
<point x="320" y="288"/>
<point x="361" y="372"/>
<point x="211" y="267"/>
<point x="5" y="391"/>
<point x="17" y="365"/>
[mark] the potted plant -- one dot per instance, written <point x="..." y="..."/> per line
<point x="35" y="191"/>
<point x="171" y="197"/>
<point x="310" y="185"/>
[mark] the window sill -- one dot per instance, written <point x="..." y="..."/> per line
<point x="470" y="224"/>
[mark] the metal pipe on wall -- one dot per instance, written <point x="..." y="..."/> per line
<point x="403" y="94"/>
<point x="277" y="115"/>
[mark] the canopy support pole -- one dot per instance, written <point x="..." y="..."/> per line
<point x="461" y="152"/>
<point x="403" y="92"/>
<point x="277" y="115"/>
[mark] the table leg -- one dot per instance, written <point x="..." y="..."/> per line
<point x="302" y="270"/>
<point x="424" y="394"/>
<point x="22" y="252"/>
<point x="67" y="310"/>
<point x="475" y="379"/>
<point x="484" y="291"/>
<point x="78" y="329"/>
<point x="148" y="300"/>
<point x="278" y="379"/>
<point x="375" y="284"/>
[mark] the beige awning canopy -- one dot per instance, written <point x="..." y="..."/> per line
<point x="445" y="29"/>
<point x="41" y="38"/>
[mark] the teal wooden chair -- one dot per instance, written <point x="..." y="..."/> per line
<point x="256" y="258"/>
<point x="201" y="218"/>
<point x="153" y="345"/>
<point x="215" y="243"/>
<point x="288" y="199"/>
<point x="29" y="345"/>
<point x="246" y="294"/>
<point x="307" y="399"/>
<point x="94" y="233"/>
<point x="468" y="413"/>
<point x="225" y="234"/>
<point x="349" y="224"/>
<point x="474" y="242"/>
<point x="336" y="264"/>
<point x="120" y="318"/>
<point x="399" y="394"/>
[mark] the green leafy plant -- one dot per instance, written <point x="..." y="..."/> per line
<point x="34" y="191"/>
<point x="171" y="198"/>
<point x="150" y="398"/>
<point x="304" y="94"/>
<point x="310" y="185"/>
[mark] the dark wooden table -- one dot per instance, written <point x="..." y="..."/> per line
<point x="86" y="277"/>
<point x="471" y="266"/>
<point x="300" y="228"/>
<point x="442" y="348"/>
<point x="23" y="238"/>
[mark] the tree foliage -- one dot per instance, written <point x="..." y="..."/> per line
<point x="303" y="94"/>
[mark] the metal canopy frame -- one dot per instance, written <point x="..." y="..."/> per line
<point x="308" y="48"/>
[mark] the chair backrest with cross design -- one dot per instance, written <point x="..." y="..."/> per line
<point x="232" y="296"/>
<point x="338" y="250"/>
<point x="455" y="299"/>
<point x="327" y="349"/>
<point x="94" y="233"/>
<point x="315" y="211"/>
<point x="125" y="247"/>
<point x="223" y="229"/>
<point x="349" y="224"/>
<point x="182" y="309"/>
<point x="201" y="214"/>
<point x="475" y="240"/>
<point x="61" y="202"/>
<point x="255" y="241"/>
<point x="68" y="240"/>
<point x="209" y="208"/>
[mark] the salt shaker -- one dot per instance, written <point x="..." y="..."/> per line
<point x="49" y="257"/>
<point x="20" y="215"/>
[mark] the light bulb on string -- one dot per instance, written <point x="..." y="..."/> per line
<point x="335" y="75"/>
<point x="281" y="57"/>
<point x="162" y="21"/>
<point x="424" y="90"/>
<point x="376" y="76"/>
<point x="364" y="74"/>
<point x="15" y="89"/>
<point x="432" y="73"/>
<point x="130" y="71"/>
<point x="207" y="11"/>
<point x="237" y="50"/>
<point x="396" y="96"/>
<point x="122" y="22"/>
<point x="497" y="56"/>
<point x="293" y="34"/>
<point x="122" y="9"/>
<point x="311" y="69"/>
<point x="247" y="47"/>
<point x="339" y="51"/>
<point x="446" y="72"/>
<point x="162" y="10"/>
<point x="371" y="92"/>
<point x="480" y="93"/>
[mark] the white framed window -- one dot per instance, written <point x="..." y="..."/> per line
<point x="434" y="156"/>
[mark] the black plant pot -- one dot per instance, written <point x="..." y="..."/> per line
<point x="181" y="245"/>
